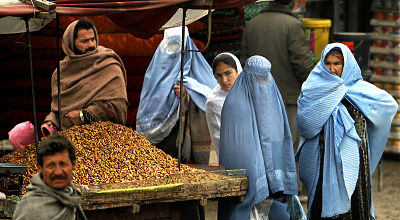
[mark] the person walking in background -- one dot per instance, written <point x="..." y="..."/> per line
<point x="279" y="36"/>
<point x="344" y="123"/>
<point x="226" y="68"/>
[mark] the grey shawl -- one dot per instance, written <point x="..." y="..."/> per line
<point x="44" y="202"/>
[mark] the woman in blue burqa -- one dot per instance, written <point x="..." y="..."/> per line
<point x="255" y="136"/>
<point x="158" y="114"/>
<point x="344" y="122"/>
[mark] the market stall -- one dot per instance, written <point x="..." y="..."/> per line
<point x="121" y="174"/>
<point x="127" y="200"/>
<point x="130" y="22"/>
<point x="127" y="27"/>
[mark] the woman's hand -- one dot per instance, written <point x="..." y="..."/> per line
<point x="177" y="89"/>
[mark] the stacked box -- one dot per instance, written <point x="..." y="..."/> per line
<point x="385" y="58"/>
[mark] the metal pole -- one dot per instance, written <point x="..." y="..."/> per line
<point x="29" y="46"/>
<point x="380" y="176"/>
<point x="208" y="35"/>
<point x="181" y="126"/>
<point x="58" y="73"/>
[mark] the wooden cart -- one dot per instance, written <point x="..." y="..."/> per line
<point x="167" y="201"/>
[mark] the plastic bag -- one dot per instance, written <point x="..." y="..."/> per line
<point x="22" y="135"/>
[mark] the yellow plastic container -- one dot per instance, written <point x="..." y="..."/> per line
<point x="317" y="30"/>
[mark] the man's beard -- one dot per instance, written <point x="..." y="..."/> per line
<point x="89" y="49"/>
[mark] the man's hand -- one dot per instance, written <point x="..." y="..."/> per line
<point x="177" y="89"/>
<point x="74" y="117"/>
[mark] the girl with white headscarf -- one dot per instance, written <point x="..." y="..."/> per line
<point x="226" y="68"/>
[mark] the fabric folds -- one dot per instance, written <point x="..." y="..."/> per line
<point x="214" y="103"/>
<point x="320" y="108"/>
<point x="255" y="136"/>
<point x="158" y="107"/>
<point x="44" y="202"/>
<point x="94" y="81"/>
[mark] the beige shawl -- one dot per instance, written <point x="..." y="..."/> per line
<point x="94" y="81"/>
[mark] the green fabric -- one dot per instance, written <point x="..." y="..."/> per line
<point x="253" y="9"/>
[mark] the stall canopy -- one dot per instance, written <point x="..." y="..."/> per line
<point x="141" y="18"/>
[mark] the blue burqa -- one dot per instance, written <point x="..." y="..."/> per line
<point x="255" y="136"/>
<point x="319" y="106"/>
<point x="157" y="112"/>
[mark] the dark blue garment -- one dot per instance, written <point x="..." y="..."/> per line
<point x="157" y="113"/>
<point x="279" y="211"/>
<point x="255" y="136"/>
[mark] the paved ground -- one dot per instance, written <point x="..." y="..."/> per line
<point x="386" y="200"/>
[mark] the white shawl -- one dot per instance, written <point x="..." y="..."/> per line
<point x="214" y="103"/>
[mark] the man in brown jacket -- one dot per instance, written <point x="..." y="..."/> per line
<point x="93" y="81"/>
<point x="279" y="36"/>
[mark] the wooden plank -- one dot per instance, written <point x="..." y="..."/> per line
<point x="189" y="191"/>
<point x="234" y="186"/>
<point x="46" y="15"/>
<point x="156" y="211"/>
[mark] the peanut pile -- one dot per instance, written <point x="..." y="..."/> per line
<point x="107" y="153"/>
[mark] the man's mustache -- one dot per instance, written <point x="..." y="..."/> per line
<point x="62" y="177"/>
<point x="90" y="49"/>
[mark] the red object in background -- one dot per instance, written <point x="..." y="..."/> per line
<point x="378" y="43"/>
<point x="387" y="44"/>
<point x="349" y="44"/>
<point x="379" y="57"/>
<point x="388" y="30"/>
<point x="378" y="71"/>
<point x="388" y="16"/>
<point x="378" y="16"/>
<point x="299" y="6"/>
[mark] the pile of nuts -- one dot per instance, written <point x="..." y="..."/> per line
<point x="107" y="153"/>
